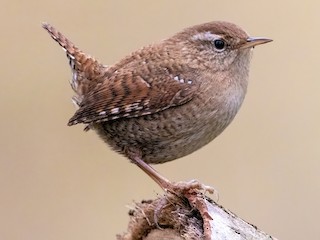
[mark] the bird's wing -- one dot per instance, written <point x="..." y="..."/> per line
<point x="127" y="94"/>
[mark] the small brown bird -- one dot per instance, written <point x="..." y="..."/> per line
<point x="165" y="100"/>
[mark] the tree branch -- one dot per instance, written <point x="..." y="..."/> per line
<point x="192" y="216"/>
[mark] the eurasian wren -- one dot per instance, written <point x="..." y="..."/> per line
<point x="166" y="100"/>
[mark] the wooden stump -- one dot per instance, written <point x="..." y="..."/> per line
<point x="192" y="216"/>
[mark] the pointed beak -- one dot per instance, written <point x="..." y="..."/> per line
<point x="254" y="41"/>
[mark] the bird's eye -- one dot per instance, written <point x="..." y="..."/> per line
<point x="219" y="44"/>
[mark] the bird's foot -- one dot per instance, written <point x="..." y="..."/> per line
<point x="188" y="195"/>
<point x="190" y="187"/>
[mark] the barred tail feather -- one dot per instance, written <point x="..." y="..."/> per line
<point x="84" y="68"/>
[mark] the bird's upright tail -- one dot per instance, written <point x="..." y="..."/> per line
<point x="85" y="69"/>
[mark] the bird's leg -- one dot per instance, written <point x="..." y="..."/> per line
<point x="164" y="183"/>
<point x="178" y="188"/>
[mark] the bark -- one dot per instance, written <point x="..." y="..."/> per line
<point x="191" y="216"/>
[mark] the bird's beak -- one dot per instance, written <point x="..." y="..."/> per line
<point x="254" y="41"/>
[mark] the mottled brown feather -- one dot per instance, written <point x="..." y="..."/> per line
<point x="128" y="94"/>
<point x="128" y="89"/>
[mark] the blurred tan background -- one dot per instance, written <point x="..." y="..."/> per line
<point x="58" y="182"/>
